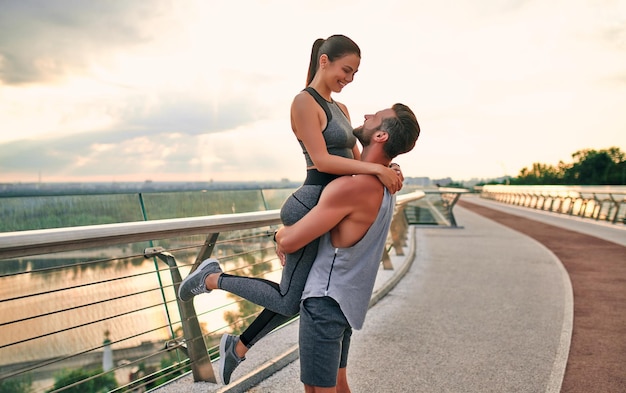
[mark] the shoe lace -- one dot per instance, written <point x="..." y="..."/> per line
<point x="198" y="290"/>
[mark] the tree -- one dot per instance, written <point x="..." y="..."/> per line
<point x="539" y="174"/>
<point x="101" y="382"/>
<point x="590" y="167"/>
<point x="593" y="167"/>
<point x="19" y="385"/>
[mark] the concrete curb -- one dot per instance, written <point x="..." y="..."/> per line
<point x="256" y="376"/>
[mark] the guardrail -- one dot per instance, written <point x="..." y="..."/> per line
<point x="436" y="208"/>
<point x="601" y="203"/>
<point x="85" y="310"/>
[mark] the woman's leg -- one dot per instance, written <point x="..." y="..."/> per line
<point x="284" y="298"/>
<point x="281" y="299"/>
<point x="263" y="324"/>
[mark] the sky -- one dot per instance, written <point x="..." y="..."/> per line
<point x="194" y="90"/>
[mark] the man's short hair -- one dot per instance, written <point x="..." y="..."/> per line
<point x="403" y="131"/>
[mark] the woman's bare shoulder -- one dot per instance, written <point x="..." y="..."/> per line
<point x="303" y="99"/>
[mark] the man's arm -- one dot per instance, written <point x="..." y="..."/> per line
<point x="333" y="206"/>
<point x="347" y="207"/>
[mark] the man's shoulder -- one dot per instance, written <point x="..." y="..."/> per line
<point x="358" y="180"/>
<point x="354" y="185"/>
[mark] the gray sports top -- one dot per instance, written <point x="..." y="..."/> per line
<point x="348" y="274"/>
<point x="338" y="132"/>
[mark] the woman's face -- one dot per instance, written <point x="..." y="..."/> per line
<point x="340" y="72"/>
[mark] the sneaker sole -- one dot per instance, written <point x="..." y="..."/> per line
<point x="222" y="355"/>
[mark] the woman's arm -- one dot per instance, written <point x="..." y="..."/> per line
<point x="308" y="120"/>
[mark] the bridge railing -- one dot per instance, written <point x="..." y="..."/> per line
<point x="601" y="203"/>
<point x="436" y="208"/>
<point x="94" y="308"/>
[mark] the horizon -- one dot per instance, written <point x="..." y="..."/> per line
<point x="408" y="179"/>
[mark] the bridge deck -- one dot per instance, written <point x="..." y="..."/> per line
<point x="487" y="307"/>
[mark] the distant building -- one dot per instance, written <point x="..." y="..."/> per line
<point x="418" y="181"/>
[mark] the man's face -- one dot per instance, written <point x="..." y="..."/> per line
<point x="371" y="124"/>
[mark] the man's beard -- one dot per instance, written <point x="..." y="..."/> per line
<point x="358" y="133"/>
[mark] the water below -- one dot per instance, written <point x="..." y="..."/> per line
<point x="71" y="310"/>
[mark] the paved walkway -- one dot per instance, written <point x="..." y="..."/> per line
<point x="597" y="270"/>
<point x="482" y="308"/>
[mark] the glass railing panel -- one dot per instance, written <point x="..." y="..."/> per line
<point x="274" y="198"/>
<point x="427" y="211"/>
<point x="42" y="212"/>
<point x="201" y="203"/>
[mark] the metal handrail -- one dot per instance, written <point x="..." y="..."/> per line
<point x="406" y="198"/>
<point x="45" y="241"/>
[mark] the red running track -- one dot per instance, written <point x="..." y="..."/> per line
<point x="597" y="270"/>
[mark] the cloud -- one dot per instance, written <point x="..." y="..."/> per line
<point x="158" y="138"/>
<point x="185" y="114"/>
<point x="263" y="151"/>
<point x="43" y="41"/>
<point x="74" y="156"/>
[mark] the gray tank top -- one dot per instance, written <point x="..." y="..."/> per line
<point x="338" y="132"/>
<point x="348" y="274"/>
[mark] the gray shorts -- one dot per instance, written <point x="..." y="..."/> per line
<point x="324" y="341"/>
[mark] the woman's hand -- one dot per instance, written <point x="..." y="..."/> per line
<point x="391" y="177"/>
<point x="396" y="167"/>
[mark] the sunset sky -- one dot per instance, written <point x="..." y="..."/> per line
<point x="199" y="90"/>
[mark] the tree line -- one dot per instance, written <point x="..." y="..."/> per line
<point x="589" y="168"/>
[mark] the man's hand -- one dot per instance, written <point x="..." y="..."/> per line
<point x="281" y="256"/>
<point x="279" y="252"/>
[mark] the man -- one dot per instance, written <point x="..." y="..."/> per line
<point x="348" y="207"/>
<point x="353" y="217"/>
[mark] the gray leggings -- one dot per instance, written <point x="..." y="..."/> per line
<point x="281" y="301"/>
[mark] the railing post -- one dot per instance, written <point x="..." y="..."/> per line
<point x="597" y="209"/>
<point x="207" y="249"/>
<point x="618" y="204"/>
<point x="453" y="202"/>
<point x="201" y="366"/>
<point x="398" y="232"/>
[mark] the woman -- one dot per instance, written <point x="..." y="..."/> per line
<point x="323" y="129"/>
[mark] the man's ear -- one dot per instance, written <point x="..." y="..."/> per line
<point x="381" y="136"/>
